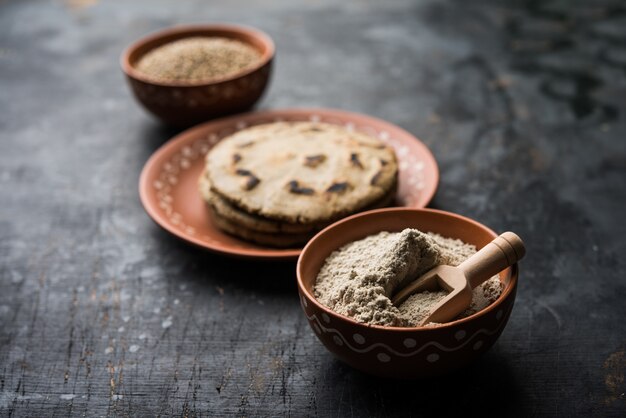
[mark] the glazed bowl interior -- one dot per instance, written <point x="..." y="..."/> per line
<point x="250" y="36"/>
<point x="409" y="352"/>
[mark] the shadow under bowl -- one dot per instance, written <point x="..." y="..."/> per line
<point x="183" y="103"/>
<point x="396" y="352"/>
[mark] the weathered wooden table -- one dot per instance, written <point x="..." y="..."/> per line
<point x="102" y="313"/>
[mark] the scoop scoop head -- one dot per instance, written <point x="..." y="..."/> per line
<point x="504" y="251"/>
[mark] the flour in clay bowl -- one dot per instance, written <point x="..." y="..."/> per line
<point x="358" y="279"/>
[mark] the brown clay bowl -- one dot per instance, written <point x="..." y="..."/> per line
<point x="402" y="352"/>
<point x="187" y="103"/>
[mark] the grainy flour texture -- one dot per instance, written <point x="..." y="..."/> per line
<point x="358" y="279"/>
<point x="198" y="59"/>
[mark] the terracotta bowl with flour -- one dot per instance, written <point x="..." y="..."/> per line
<point x="185" y="103"/>
<point x="397" y="352"/>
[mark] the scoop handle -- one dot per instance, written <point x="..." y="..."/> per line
<point x="502" y="252"/>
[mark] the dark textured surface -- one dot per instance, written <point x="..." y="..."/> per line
<point x="102" y="313"/>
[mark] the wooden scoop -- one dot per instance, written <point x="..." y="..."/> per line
<point x="502" y="252"/>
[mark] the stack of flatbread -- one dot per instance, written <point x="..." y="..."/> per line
<point x="277" y="184"/>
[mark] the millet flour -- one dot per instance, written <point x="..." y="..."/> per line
<point x="198" y="59"/>
<point x="358" y="279"/>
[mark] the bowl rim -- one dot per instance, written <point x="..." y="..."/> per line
<point x="513" y="274"/>
<point x="266" y="57"/>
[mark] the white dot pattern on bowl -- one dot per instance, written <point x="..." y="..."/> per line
<point x="201" y="96"/>
<point x="409" y="342"/>
<point x="383" y="358"/>
<point x="428" y="351"/>
<point x="431" y="358"/>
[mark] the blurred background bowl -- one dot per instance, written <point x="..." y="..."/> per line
<point x="393" y="351"/>
<point x="187" y="103"/>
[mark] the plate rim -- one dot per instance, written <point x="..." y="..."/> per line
<point x="174" y="142"/>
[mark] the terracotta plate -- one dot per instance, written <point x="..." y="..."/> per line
<point x="168" y="186"/>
